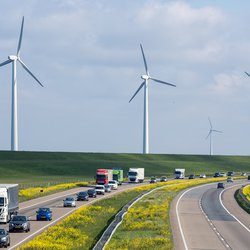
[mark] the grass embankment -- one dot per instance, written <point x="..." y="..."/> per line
<point x="244" y="203"/>
<point x="51" y="168"/>
<point x="147" y="224"/>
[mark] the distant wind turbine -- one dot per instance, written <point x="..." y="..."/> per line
<point x="13" y="59"/>
<point x="210" y="134"/>
<point x="144" y="84"/>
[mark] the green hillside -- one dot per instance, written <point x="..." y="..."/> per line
<point x="30" y="167"/>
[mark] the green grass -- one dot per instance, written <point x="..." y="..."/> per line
<point x="241" y="201"/>
<point x="46" y="167"/>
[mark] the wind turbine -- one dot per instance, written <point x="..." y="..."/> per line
<point x="13" y="59"/>
<point x="144" y="84"/>
<point x="210" y="135"/>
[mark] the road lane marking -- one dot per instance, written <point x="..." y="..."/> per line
<point x="220" y="197"/>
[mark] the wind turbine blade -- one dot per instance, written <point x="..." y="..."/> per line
<point x="6" y="62"/>
<point x="26" y="68"/>
<point x="218" y="131"/>
<point x="137" y="91"/>
<point x="20" y="38"/>
<point x="156" y="80"/>
<point x="247" y="74"/>
<point x="209" y="134"/>
<point x="144" y="59"/>
<point x="210" y="123"/>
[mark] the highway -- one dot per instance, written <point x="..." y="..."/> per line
<point x="205" y="217"/>
<point x="55" y="202"/>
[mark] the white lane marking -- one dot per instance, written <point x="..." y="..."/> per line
<point x="228" y="211"/>
<point x="51" y="223"/>
<point x="177" y="213"/>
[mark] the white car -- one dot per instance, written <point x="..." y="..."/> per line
<point x="202" y="176"/>
<point x="100" y="189"/>
<point x="113" y="184"/>
<point x="69" y="202"/>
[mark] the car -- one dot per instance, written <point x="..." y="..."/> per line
<point x="44" y="213"/>
<point x="191" y="176"/>
<point x="222" y="175"/>
<point x="220" y="185"/>
<point x="230" y="179"/>
<point x="217" y="174"/>
<point x="248" y="178"/>
<point x="82" y="196"/>
<point x="100" y="189"/>
<point x="69" y="202"/>
<point x="4" y="238"/>
<point x="163" y="179"/>
<point x="19" y="223"/>
<point x="243" y="174"/>
<point x="153" y="180"/>
<point x="203" y="176"/>
<point x="107" y="188"/>
<point x="91" y="193"/>
<point x="230" y="173"/>
<point x="113" y="184"/>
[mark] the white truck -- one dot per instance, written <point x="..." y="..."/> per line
<point x="136" y="175"/>
<point x="179" y="173"/>
<point x="8" y="201"/>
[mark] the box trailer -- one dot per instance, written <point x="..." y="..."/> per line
<point x="136" y="175"/>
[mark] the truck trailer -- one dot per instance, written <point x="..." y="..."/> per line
<point x="179" y="173"/>
<point x="118" y="175"/>
<point x="8" y="201"/>
<point x="136" y="175"/>
<point x="103" y="176"/>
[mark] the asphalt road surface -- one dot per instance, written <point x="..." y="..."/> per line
<point x="55" y="202"/>
<point x="205" y="217"/>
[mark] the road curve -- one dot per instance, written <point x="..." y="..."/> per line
<point x="200" y="221"/>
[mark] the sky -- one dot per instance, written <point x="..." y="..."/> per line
<point x="87" y="55"/>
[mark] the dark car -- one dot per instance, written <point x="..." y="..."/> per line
<point x="4" y="238"/>
<point x="230" y="173"/>
<point x="248" y="177"/>
<point x="220" y="185"/>
<point x="217" y="174"/>
<point x="153" y="180"/>
<point x="44" y="213"/>
<point x="19" y="223"/>
<point x="191" y="176"/>
<point x="82" y="196"/>
<point x="163" y="178"/>
<point x="92" y="193"/>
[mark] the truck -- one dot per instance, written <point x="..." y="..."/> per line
<point x="179" y="173"/>
<point x="103" y="176"/>
<point x="136" y="175"/>
<point x="118" y="175"/>
<point x="8" y="201"/>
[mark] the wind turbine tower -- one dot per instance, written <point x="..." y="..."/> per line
<point x="14" y="118"/>
<point x="145" y="84"/>
<point x="210" y="135"/>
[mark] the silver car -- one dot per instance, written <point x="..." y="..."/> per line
<point x="107" y="188"/>
<point x="69" y="202"/>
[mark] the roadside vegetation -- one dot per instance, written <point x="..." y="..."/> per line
<point x="147" y="221"/>
<point x="246" y="192"/>
<point x="31" y="193"/>
<point x="243" y="201"/>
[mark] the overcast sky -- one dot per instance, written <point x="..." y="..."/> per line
<point x="87" y="55"/>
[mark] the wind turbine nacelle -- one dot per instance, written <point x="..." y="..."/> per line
<point x="13" y="58"/>
<point x="145" y="77"/>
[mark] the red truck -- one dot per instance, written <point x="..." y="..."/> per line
<point x="103" y="176"/>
